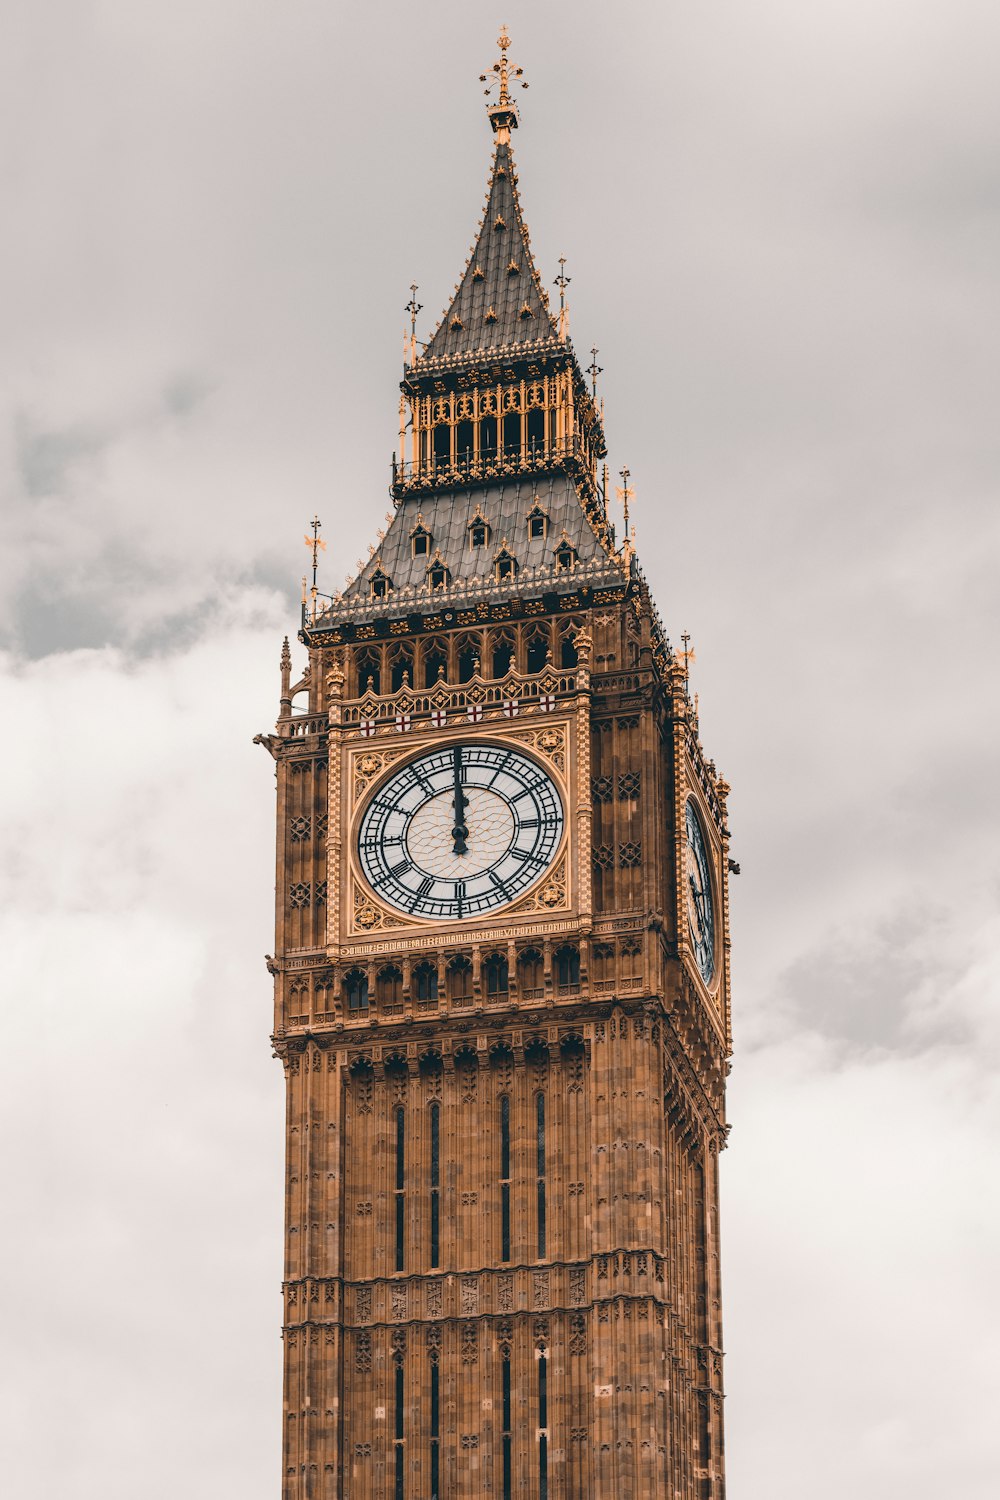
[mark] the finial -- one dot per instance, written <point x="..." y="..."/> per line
<point x="562" y="281"/>
<point x="625" y="494"/>
<point x="687" y="656"/>
<point x="316" y="545"/>
<point x="413" y="307"/>
<point x="593" y="370"/>
<point x="503" y="114"/>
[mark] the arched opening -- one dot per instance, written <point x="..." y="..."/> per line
<point x="463" y="442"/>
<point x="512" y="434"/>
<point x="468" y="658"/>
<point x="402" y="667"/>
<point x="458" y="979"/>
<point x="488" y="438"/>
<point x="567" y="651"/>
<point x="495" y="976"/>
<point x="503" y="656"/>
<point x="537" y="650"/>
<point x="435" y="666"/>
<point x="356" y="990"/>
<point x="530" y="974"/>
<point x="369" y="672"/>
<point x="442" y="445"/>
<point x="424" y="983"/>
<point x="536" y="431"/>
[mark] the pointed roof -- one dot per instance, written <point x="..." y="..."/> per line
<point x="500" y="301"/>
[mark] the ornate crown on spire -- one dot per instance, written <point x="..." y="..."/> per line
<point x="503" y="114"/>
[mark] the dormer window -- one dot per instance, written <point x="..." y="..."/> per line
<point x="565" y="555"/>
<point x="479" y="532"/>
<point x="380" y="584"/>
<point x="478" y="274"/>
<point x="513" y="269"/>
<point x="438" y="574"/>
<point x="538" y="523"/>
<point x="526" y="311"/>
<point x="420" y="539"/>
<point x="504" y="565"/>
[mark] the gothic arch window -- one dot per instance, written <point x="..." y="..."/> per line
<point x="389" y="986"/>
<point x="536" y="431"/>
<point x="538" y="523"/>
<point x="567" y="966"/>
<point x="530" y="974"/>
<point x="368" y="667"/>
<point x="424" y="982"/>
<point x="458" y="979"/>
<point x="495" y="975"/>
<point x="356" y="989"/>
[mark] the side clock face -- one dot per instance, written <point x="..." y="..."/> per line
<point x="460" y="831"/>
<point x="701" y="913"/>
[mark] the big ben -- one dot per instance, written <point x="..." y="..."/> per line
<point x="501" y="963"/>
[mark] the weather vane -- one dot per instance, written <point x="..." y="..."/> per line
<point x="593" y="370"/>
<point x="503" y="114"/>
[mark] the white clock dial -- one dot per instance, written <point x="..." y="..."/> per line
<point x="460" y="831"/>
<point x="701" y="912"/>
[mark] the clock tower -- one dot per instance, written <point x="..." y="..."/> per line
<point x="502" y="958"/>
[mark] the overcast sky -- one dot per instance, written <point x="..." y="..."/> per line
<point x="782" y="224"/>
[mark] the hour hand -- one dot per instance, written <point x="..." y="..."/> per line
<point x="459" y="833"/>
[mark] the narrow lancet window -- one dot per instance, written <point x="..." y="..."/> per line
<point x="506" y="1430"/>
<point x="435" y="1432"/>
<point x="400" y="1186"/>
<point x="435" y="1185"/>
<point x="505" y="1177"/>
<point x="543" y="1423"/>
<point x="398" y="1441"/>
<point x="540" y="1166"/>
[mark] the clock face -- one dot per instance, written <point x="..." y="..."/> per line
<point x="460" y="831"/>
<point x="701" y="913"/>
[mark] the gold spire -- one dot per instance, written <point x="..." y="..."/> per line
<point x="503" y="114"/>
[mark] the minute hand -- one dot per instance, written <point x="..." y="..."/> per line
<point x="459" y="832"/>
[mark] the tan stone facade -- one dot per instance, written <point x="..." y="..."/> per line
<point x="502" y="1231"/>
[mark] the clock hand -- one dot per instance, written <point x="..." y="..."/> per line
<point x="459" y="832"/>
